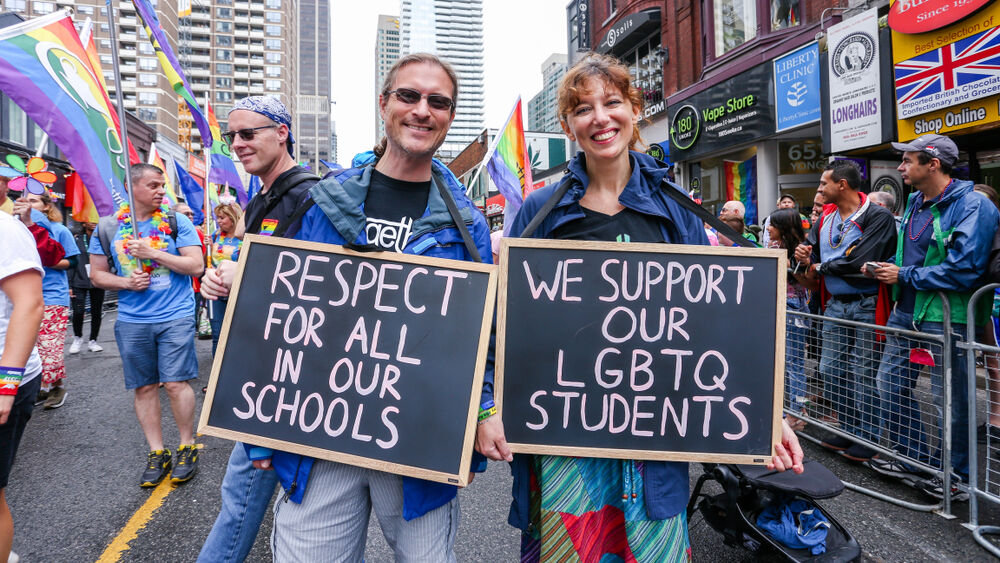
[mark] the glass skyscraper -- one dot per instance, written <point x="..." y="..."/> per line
<point x="453" y="30"/>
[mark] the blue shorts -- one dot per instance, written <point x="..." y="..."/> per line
<point x="153" y="353"/>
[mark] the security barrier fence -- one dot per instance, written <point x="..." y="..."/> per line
<point x="872" y="390"/>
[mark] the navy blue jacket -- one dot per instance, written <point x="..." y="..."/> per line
<point x="666" y="483"/>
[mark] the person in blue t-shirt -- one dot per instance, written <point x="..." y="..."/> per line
<point x="55" y="290"/>
<point x="155" y="325"/>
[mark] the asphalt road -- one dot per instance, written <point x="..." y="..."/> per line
<point x="74" y="488"/>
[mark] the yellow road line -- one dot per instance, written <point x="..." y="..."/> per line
<point x="138" y="521"/>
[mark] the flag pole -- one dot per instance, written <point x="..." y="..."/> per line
<point x="120" y="98"/>
<point x="206" y="145"/>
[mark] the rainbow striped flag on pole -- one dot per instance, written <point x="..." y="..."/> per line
<point x="741" y="185"/>
<point x="168" y="186"/>
<point x="508" y="163"/>
<point x="223" y="171"/>
<point x="45" y="70"/>
<point x="171" y="67"/>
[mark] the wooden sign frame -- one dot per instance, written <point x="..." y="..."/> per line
<point x="460" y="479"/>
<point x="781" y="264"/>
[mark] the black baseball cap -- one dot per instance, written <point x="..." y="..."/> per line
<point x="936" y="146"/>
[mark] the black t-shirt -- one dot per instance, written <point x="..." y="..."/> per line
<point x="391" y="207"/>
<point x="283" y="201"/>
<point x="625" y="226"/>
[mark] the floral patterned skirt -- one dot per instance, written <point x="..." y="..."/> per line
<point x="51" y="341"/>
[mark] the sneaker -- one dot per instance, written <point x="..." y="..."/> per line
<point x="836" y="443"/>
<point x="42" y="396"/>
<point x="13" y="558"/>
<point x="857" y="452"/>
<point x="895" y="468"/>
<point x="56" y="398"/>
<point x="74" y="348"/>
<point x="157" y="467"/>
<point x="93" y="346"/>
<point x="934" y="487"/>
<point x="187" y="464"/>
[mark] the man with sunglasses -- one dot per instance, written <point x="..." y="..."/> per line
<point x="944" y="246"/>
<point x="850" y="232"/>
<point x="259" y="132"/>
<point x="402" y="200"/>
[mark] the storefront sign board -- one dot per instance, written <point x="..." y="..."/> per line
<point x="854" y="83"/>
<point x="970" y="104"/>
<point x="921" y="16"/>
<point x="732" y="113"/>
<point x="796" y="88"/>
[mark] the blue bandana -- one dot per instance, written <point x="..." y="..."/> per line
<point x="271" y="108"/>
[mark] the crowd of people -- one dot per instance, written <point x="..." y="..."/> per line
<point x="849" y="256"/>
<point x="860" y="263"/>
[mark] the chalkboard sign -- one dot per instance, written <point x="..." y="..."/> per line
<point x="372" y="359"/>
<point x="641" y="351"/>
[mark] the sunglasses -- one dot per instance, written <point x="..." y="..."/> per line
<point x="410" y="97"/>
<point x="245" y="134"/>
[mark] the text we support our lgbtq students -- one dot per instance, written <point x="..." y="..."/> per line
<point x="372" y="306"/>
<point x="642" y="369"/>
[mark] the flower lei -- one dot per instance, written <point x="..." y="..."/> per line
<point x="160" y="225"/>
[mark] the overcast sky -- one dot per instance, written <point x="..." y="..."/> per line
<point x="518" y="35"/>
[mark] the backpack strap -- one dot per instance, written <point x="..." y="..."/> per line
<point x="106" y="229"/>
<point x="301" y="175"/>
<point x="689" y="204"/>
<point x="550" y="203"/>
<point x="301" y="210"/>
<point x="456" y="216"/>
<point x="172" y="223"/>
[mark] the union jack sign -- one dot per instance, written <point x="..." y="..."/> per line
<point x="965" y="70"/>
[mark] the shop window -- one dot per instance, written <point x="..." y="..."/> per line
<point x="17" y="124"/>
<point x="785" y="14"/>
<point x="735" y="24"/>
<point x="645" y="65"/>
<point x="738" y="22"/>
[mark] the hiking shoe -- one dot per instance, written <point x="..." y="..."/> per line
<point x="836" y="443"/>
<point x="857" y="452"/>
<point x="934" y="487"/>
<point x="895" y="468"/>
<point x="187" y="464"/>
<point x="56" y="398"/>
<point x="42" y="396"/>
<point x="74" y="348"/>
<point x="93" y="346"/>
<point x="157" y="467"/>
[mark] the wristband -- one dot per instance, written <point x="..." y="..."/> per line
<point x="487" y="405"/>
<point x="486" y="413"/>
<point x="10" y="379"/>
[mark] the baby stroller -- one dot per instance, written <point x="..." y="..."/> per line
<point x="748" y="489"/>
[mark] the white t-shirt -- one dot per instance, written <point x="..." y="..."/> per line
<point x="18" y="254"/>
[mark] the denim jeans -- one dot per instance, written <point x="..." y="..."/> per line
<point x="217" y="312"/>
<point x="796" y="328"/>
<point x="246" y="497"/>
<point x="157" y="352"/>
<point x="897" y="377"/>
<point x="848" y="366"/>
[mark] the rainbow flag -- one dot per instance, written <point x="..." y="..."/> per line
<point x="155" y="160"/>
<point x="45" y="70"/>
<point x="79" y="200"/>
<point x="87" y="40"/>
<point x="508" y="162"/>
<point x="741" y="185"/>
<point x="171" y="67"/>
<point x="223" y="171"/>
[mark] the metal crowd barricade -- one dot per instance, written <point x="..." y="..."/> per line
<point x="986" y="487"/>
<point x="844" y="400"/>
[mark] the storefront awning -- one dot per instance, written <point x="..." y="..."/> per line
<point x="628" y="32"/>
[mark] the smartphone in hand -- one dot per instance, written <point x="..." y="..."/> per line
<point x="870" y="268"/>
